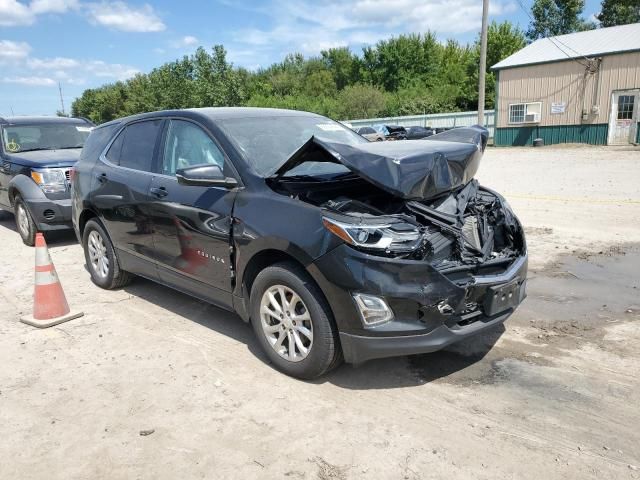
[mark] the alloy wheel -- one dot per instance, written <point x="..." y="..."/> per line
<point x="23" y="220"/>
<point x="286" y="323"/>
<point x="98" y="254"/>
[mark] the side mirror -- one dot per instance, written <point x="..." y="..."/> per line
<point x="205" y="176"/>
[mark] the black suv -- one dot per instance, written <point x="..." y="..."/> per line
<point x="36" y="156"/>
<point x="331" y="246"/>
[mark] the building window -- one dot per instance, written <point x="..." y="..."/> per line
<point x="525" y="112"/>
<point x="625" y="107"/>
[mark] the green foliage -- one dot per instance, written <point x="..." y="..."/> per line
<point x="410" y="74"/>
<point x="619" y="12"/>
<point x="557" y="17"/>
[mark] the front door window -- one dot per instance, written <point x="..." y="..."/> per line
<point x="188" y="145"/>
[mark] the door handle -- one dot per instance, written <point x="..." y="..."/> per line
<point x="102" y="177"/>
<point x="159" y="192"/>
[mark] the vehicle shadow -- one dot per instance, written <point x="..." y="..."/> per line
<point x="377" y="374"/>
<point x="217" y="319"/>
<point x="7" y="220"/>
<point x="416" y="369"/>
<point x="59" y="238"/>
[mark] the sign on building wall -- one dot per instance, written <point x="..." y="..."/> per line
<point x="558" y="107"/>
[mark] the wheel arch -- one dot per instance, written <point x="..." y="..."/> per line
<point x="263" y="259"/>
<point x="86" y="215"/>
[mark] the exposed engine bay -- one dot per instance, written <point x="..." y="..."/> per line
<point x="469" y="226"/>
<point x="414" y="200"/>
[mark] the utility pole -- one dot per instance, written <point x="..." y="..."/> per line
<point x="61" y="99"/>
<point x="483" y="61"/>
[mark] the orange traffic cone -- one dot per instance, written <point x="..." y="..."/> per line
<point x="50" y="306"/>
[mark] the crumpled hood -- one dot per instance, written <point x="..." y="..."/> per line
<point x="409" y="169"/>
<point x="46" y="158"/>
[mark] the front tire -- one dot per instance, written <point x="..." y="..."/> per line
<point x="293" y="322"/>
<point x="26" y="226"/>
<point x="101" y="258"/>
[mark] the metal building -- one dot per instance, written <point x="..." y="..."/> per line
<point x="581" y="88"/>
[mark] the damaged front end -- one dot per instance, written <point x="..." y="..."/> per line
<point x="452" y="253"/>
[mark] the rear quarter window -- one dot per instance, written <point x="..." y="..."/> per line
<point x="134" y="147"/>
<point x="96" y="142"/>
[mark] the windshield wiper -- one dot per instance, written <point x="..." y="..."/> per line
<point x="67" y="148"/>
<point x="298" y="178"/>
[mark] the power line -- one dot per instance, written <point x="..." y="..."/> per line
<point x="553" y="41"/>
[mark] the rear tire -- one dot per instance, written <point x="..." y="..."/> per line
<point x="101" y="258"/>
<point x="310" y="315"/>
<point x="26" y="226"/>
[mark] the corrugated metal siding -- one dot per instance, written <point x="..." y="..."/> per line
<point x="590" y="43"/>
<point x="520" y="136"/>
<point x="565" y="82"/>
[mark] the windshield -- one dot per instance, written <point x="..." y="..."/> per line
<point x="49" y="136"/>
<point x="268" y="142"/>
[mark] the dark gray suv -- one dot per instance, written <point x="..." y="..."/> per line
<point x="36" y="156"/>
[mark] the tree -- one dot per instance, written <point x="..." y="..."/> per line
<point x="557" y="17"/>
<point x="343" y="65"/>
<point x="393" y="63"/>
<point x="619" y="12"/>
<point x="503" y="39"/>
<point x="361" y="101"/>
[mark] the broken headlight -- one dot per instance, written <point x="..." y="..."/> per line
<point x="391" y="236"/>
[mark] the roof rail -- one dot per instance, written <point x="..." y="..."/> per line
<point x="87" y="120"/>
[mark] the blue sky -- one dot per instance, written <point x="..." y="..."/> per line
<point x="84" y="44"/>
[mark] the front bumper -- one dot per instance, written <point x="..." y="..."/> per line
<point x="414" y="290"/>
<point x="50" y="214"/>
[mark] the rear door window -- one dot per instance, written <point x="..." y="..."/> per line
<point x="135" y="145"/>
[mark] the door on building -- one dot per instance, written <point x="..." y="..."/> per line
<point x="623" y="124"/>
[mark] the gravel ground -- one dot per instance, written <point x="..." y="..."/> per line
<point x="153" y="384"/>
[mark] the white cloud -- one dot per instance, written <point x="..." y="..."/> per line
<point x="70" y="69"/>
<point x="120" y="16"/>
<point x="184" y="42"/>
<point x="31" y="81"/>
<point x="13" y="51"/>
<point x="52" y="6"/>
<point x="116" y="71"/>
<point x="52" y="63"/>
<point x="299" y="25"/>
<point x="189" y="40"/>
<point x="14" y="13"/>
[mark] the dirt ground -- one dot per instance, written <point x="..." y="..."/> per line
<point x="153" y="384"/>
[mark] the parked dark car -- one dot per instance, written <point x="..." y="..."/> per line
<point x="417" y="132"/>
<point x="36" y="155"/>
<point x="392" y="132"/>
<point x="331" y="246"/>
